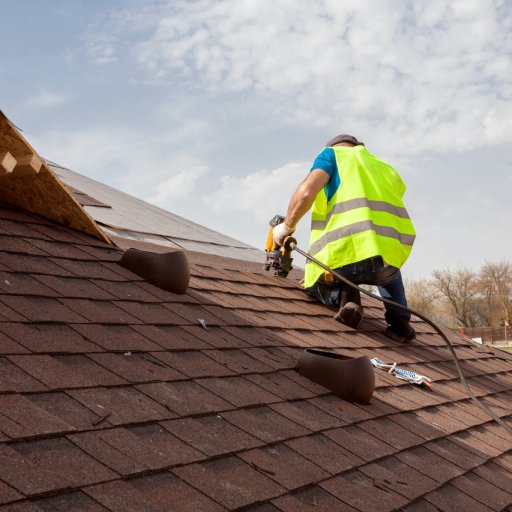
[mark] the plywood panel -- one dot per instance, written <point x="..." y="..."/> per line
<point x="39" y="192"/>
<point x="28" y="165"/>
<point x="7" y="163"/>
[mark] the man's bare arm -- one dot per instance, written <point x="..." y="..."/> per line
<point x="304" y="197"/>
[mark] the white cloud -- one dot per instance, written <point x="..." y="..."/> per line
<point x="47" y="99"/>
<point x="498" y="125"/>
<point x="247" y="203"/>
<point x="257" y="193"/>
<point x="151" y="166"/>
<point x="101" y="48"/>
<point x="421" y="73"/>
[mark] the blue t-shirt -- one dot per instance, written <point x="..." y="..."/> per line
<point x="326" y="161"/>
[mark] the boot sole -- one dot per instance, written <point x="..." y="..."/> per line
<point x="350" y="314"/>
<point x="401" y="338"/>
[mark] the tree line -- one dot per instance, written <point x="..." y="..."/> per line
<point x="463" y="297"/>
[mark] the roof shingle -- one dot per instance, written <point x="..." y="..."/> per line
<point x="114" y="397"/>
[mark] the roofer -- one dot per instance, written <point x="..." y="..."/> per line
<point x="359" y="227"/>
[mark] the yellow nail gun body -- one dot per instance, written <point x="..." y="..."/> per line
<point x="279" y="258"/>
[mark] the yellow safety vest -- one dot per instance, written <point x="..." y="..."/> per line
<point x="365" y="218"/>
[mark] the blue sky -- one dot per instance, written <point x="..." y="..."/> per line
<point x="215" y="109"/>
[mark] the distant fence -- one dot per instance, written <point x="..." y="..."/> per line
<point x="488" y="334"/>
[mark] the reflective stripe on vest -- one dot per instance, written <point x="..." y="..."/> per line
<point x="359" y="227"/>
<point x="361" y="202"/>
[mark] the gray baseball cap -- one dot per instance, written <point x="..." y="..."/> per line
<point x="344" y="138"/>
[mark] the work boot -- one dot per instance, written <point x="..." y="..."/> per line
<point x="350" y="314"/>
<point x="400" y="330"/>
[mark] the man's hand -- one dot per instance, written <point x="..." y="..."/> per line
<point x="280" y="232"/>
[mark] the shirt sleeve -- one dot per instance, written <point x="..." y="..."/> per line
<point x="325" y="161"/>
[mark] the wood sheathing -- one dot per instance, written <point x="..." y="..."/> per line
<point x="27" y="182"/>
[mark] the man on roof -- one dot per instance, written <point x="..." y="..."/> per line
<point x="359" y="227"/>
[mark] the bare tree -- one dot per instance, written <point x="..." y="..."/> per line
<point x="495" y="280"/>
<point x="423" y="296"/>
<point x="460" y="287"/>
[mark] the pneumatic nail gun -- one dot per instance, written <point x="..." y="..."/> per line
<point x="278" y="257"/>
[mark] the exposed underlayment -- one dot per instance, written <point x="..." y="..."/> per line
<point x="134" y="219"/>
<point x="26" y="181"/>
<point x="118" y="396"/>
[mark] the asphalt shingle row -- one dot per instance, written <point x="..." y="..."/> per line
<point x="115" y="398"/>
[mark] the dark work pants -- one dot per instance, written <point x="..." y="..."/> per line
<point x="371" y="271"/>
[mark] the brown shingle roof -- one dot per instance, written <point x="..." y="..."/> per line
<point x="114" y="398"/>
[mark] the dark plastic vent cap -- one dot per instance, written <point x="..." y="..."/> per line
<point x="169" y="271"/>
<point x="352" y="379"/>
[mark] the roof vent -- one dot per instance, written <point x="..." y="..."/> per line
<point x="169" y="271"/>
<point x="352" y="379"/>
